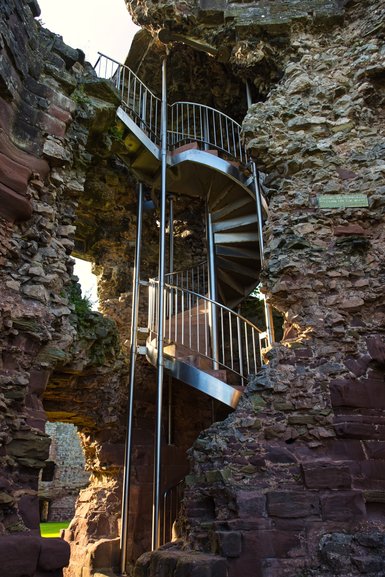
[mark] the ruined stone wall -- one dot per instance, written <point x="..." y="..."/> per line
<point x="49" y="338"/>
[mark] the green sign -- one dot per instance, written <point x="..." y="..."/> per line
<point x="342" y="200"/>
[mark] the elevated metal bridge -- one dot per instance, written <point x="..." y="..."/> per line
<point x="194" y="331"/>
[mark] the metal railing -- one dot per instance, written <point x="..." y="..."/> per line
<point x="138" y="101"/>
<point x="170" y="505"/>
<point x="194" y="278"/>
<point x="187" y="323"/>
<point x="192" y="122"/>
<point x="188" y="122"/>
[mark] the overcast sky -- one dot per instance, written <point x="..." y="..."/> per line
<point x="92" y="25"/>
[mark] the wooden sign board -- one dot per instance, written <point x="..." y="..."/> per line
<point x="343" y="200"/>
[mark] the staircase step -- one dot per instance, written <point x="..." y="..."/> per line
<point x="230" y="208"/>
<point x="232" y="223"/>
<point x="238" y="252"/>
<point x="184" y="147"/>
<point x="236" y="237"/>
<point x="218" y="199"/>
<point x="230" y="265"/>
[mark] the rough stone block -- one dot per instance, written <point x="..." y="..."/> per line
<point x="13" y="174"/>
<point x="375" y="449"/>
<point x="19" y="556"/>
<point x="260" y="545"/>
<point x="142" y="565"/>
<point x="103" y="554"/>
<point x="112" y="454"/>
<point x="14" y="206"/>
<point x="376" y="349"/>
<point x="29" y="511"/>
<point x="343" y="506"/>
<point x="292" y="504"/>
<point x="229" y="543"/>
<point x="54" y="554"/>
<point x="38" y="380"/>
<point x="326" y="476"/>
<point x="250" y="504"/>
<point x="368" y="564"/>
<point x="355" y="430"/>
<point x="365" y="393"/>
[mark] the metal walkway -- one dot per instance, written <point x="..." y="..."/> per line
<point x="193" y="330"/>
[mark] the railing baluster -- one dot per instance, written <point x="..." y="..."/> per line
<point x="240" y="352"/>
<point x="190" y="319"/>
<point x="254" y="350"/>
<point x="247" y="350"/>
<point x="222" y="338"/>
<point x="205" y="326"/>
<point x="176" y="315"/>
<point x="197" y="327"/>
<point x="231" y="341"/>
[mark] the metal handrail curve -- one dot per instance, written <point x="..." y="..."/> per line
<point x="188" y="121"/>
<point x="188" y="322"/>
<point x="194" y="278"/>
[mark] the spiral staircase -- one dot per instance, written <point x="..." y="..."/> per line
<point x="205" y="159"/>
<point x="192" y="316"/>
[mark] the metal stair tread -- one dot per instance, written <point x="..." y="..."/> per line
<point x="238" y="222"/>
<point x="195" y="377"/>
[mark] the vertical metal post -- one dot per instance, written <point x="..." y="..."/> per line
<point x="171" y="269"/>
<point x="268" y="308"/>
<point x="249" y="100"/>
<point x="161" y="281"/>
<point x="212" y="291"/>
<point x="171" y="232"/>
<point x="169" y="416"/>
<point x="130" y="405"/>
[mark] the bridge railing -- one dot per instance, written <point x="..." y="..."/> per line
<point x="188" y="323"/>
<point x="187" y="121"/>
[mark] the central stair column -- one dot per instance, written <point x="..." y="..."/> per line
<point x="212" y="290"/>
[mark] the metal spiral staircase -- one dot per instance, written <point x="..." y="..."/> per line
<point x="193" y="330"/>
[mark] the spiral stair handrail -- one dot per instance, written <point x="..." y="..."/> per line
<point x="188" y="121"/>
<point x="187" y="323"/>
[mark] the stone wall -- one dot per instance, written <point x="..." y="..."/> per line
<point x="49" y="338"/>
<point x="292" y="481"/>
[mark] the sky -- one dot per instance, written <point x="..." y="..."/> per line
<point x="92" y="26"/>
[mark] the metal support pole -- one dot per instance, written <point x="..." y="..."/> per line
<point x="212" y="291"/>
<point x="171" y="269"/>
<point x="130" y="405"/>
<point x="169" y="411"/>
<point x="171" y="232"/>
<point x="268" y="307"/>
<point x="160" y="328"/>
<point x="249" y="100"/>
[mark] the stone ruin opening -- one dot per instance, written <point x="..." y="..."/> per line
<point x="64" y="474"/>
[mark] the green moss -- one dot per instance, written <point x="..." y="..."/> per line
<point x="99" y="334"/>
